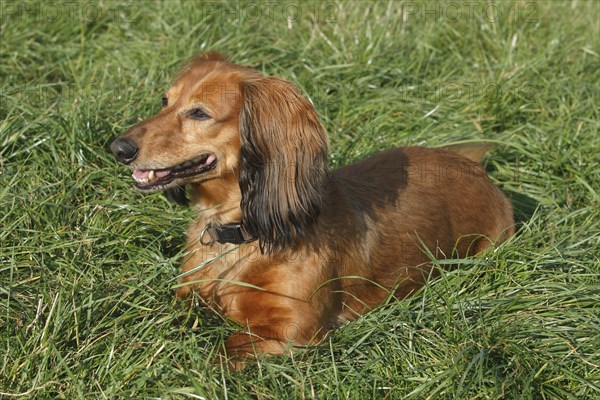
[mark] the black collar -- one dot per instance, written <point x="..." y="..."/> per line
<point x="226" y="233"/>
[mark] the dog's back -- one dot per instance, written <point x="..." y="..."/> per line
<point x="410" y="204"/>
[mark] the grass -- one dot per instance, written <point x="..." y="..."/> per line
<point x="87" y="264"/>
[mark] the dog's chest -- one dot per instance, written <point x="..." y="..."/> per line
<point x="212" y="268"/>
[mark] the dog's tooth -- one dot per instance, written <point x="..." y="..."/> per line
<point x="151" y="176"/>
<point x="187" y="164"/>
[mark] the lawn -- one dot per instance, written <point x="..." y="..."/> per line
<point x="87" y="264"/>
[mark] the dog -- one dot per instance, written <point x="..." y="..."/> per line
<point x="282" y="245"/>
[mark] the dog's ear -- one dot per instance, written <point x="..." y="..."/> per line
<point x="283" y="163"/>
<point x="177" y="195"/>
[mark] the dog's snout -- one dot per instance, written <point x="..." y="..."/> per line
<point x="124" y="150"/>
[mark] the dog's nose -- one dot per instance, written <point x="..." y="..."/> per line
<point x="124" y="150"/>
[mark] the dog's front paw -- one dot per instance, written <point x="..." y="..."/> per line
<point x="183" y="292"/>
<point x="230" y="363"/>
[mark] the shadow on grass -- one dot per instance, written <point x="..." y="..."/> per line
<point x="523" y="207"/>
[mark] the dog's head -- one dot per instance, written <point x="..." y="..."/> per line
<point x="218" y="120"/>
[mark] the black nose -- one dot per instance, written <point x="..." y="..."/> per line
<point x="124" y="150"/>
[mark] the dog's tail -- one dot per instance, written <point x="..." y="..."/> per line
<point x="473" y="151"/>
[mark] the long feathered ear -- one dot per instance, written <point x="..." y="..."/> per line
<point x="283" y="163"/>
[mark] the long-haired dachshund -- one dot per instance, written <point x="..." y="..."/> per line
<point x="282" y="245"/>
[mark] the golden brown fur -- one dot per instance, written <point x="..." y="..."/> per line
<point x="331" y="244"/>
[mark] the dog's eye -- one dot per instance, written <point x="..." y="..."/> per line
<point x="165" y="101"/>
<point x="198" y="114"/>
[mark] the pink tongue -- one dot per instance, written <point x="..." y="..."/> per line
<point x="143" y="174"/>
<point x="139" y="174"/>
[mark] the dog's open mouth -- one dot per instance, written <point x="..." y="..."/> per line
<point x="157" y="179"/>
